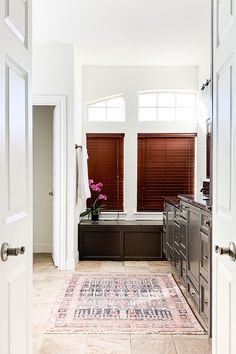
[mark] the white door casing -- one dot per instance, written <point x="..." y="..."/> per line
<point x="224" y="174"/>
<point x="15" y="175"/>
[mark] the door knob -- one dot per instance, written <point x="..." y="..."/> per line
<point x="50" y="194"/>
<point x="7" y="251"/>
<point x="230" y="251"/>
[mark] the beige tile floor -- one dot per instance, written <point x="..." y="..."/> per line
<point x="47" y="283"/>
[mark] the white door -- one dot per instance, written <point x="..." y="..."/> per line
<point x="15" y="176"/>
<point x="224" y="173"/>
<point x="56" y="188"/>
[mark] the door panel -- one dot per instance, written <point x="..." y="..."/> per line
<point x="224" y="136"/>
<point x="16" y="284"/>
<point x="16" y="18"/>
<point x="224" y="173"/>
<point x="223" y="288"/>
<point x="16" y="133"/>
<point x="15" y="175"/>
<point x="224" y="18"/>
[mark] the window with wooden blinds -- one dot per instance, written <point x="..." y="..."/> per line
<point x="166" y="167"/>
<point x="106" y="165"/>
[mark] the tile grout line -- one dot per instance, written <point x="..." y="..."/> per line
<point x="130" y="345"/>
<point x="86" y="344"/>
<point x="176" y="350"/>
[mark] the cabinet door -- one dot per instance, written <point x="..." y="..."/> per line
<point x="204" y="259"/>
<point x="193" y="270"/>
<point x="204" y="300"/>
<point x="183" y="235"/>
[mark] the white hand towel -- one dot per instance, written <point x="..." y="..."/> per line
<point x="83" y="191"/>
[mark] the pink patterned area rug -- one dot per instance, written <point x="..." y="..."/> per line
<point x="122" y="303"/>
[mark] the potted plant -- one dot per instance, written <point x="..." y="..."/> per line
<point x="96" y="195"/>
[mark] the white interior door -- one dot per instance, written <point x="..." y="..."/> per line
<point x="56" y="188"/>
<point x="15" y="176"/>
<point x="224" y="173"/>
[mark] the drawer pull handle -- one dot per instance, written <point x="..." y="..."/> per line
<point x="193" y="294"/>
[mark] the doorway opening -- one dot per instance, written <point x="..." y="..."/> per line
<point x="43" y="180"/>
<point x="49" y="177"/>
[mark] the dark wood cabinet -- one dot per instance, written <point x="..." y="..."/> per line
<point x="190" y="230"/>
<point x="120" y="240"/>
<point x="142" y="245"/>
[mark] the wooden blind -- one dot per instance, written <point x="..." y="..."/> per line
<point x="166" y="167"/>
<point x="105" y="164"/>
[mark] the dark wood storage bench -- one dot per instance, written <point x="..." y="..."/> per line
<point x="120" y="240"/>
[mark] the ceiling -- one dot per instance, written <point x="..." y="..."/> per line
<point x="127" y="32"/>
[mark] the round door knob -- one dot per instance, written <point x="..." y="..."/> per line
<point x="6" y="251"/>
<point x="230" y="251"/>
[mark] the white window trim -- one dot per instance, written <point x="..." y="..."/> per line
<point x="159" y="91"/>
<point x="157" y="216"/>
<point x="113" y="215"/>
<point x="105" y="99"/>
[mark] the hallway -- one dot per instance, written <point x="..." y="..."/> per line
<point x="47" y="284"/>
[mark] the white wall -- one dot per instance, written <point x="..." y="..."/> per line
<point x="42" y="178"/>
<point x="102" y="81"/>
<point x="55" y="73"/>
<point x="204" y="112"/>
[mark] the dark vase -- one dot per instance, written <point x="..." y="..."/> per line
<point x="94" y="215"/>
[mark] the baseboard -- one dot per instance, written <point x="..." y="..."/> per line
<point x="72" y="263"/>
<point x="44" y="248"/>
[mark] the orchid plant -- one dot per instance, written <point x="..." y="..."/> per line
<point x="96" y="207"/>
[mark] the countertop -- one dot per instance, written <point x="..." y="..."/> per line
<point x="198" y="200"/>
<point x="122" y="222"/>
<point x="173" y="200"/>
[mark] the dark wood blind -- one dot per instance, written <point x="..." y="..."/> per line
<point x="106" y="165"/>
<point x="166" y="167"/>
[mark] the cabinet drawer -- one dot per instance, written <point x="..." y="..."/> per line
<point x="205" y="223"/>
<point x="204" y="300"/>
<point x="193" y="294"/>
<point x="204" y="256"/>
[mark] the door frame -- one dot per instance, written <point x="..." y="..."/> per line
<point x="59" y="174"/>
